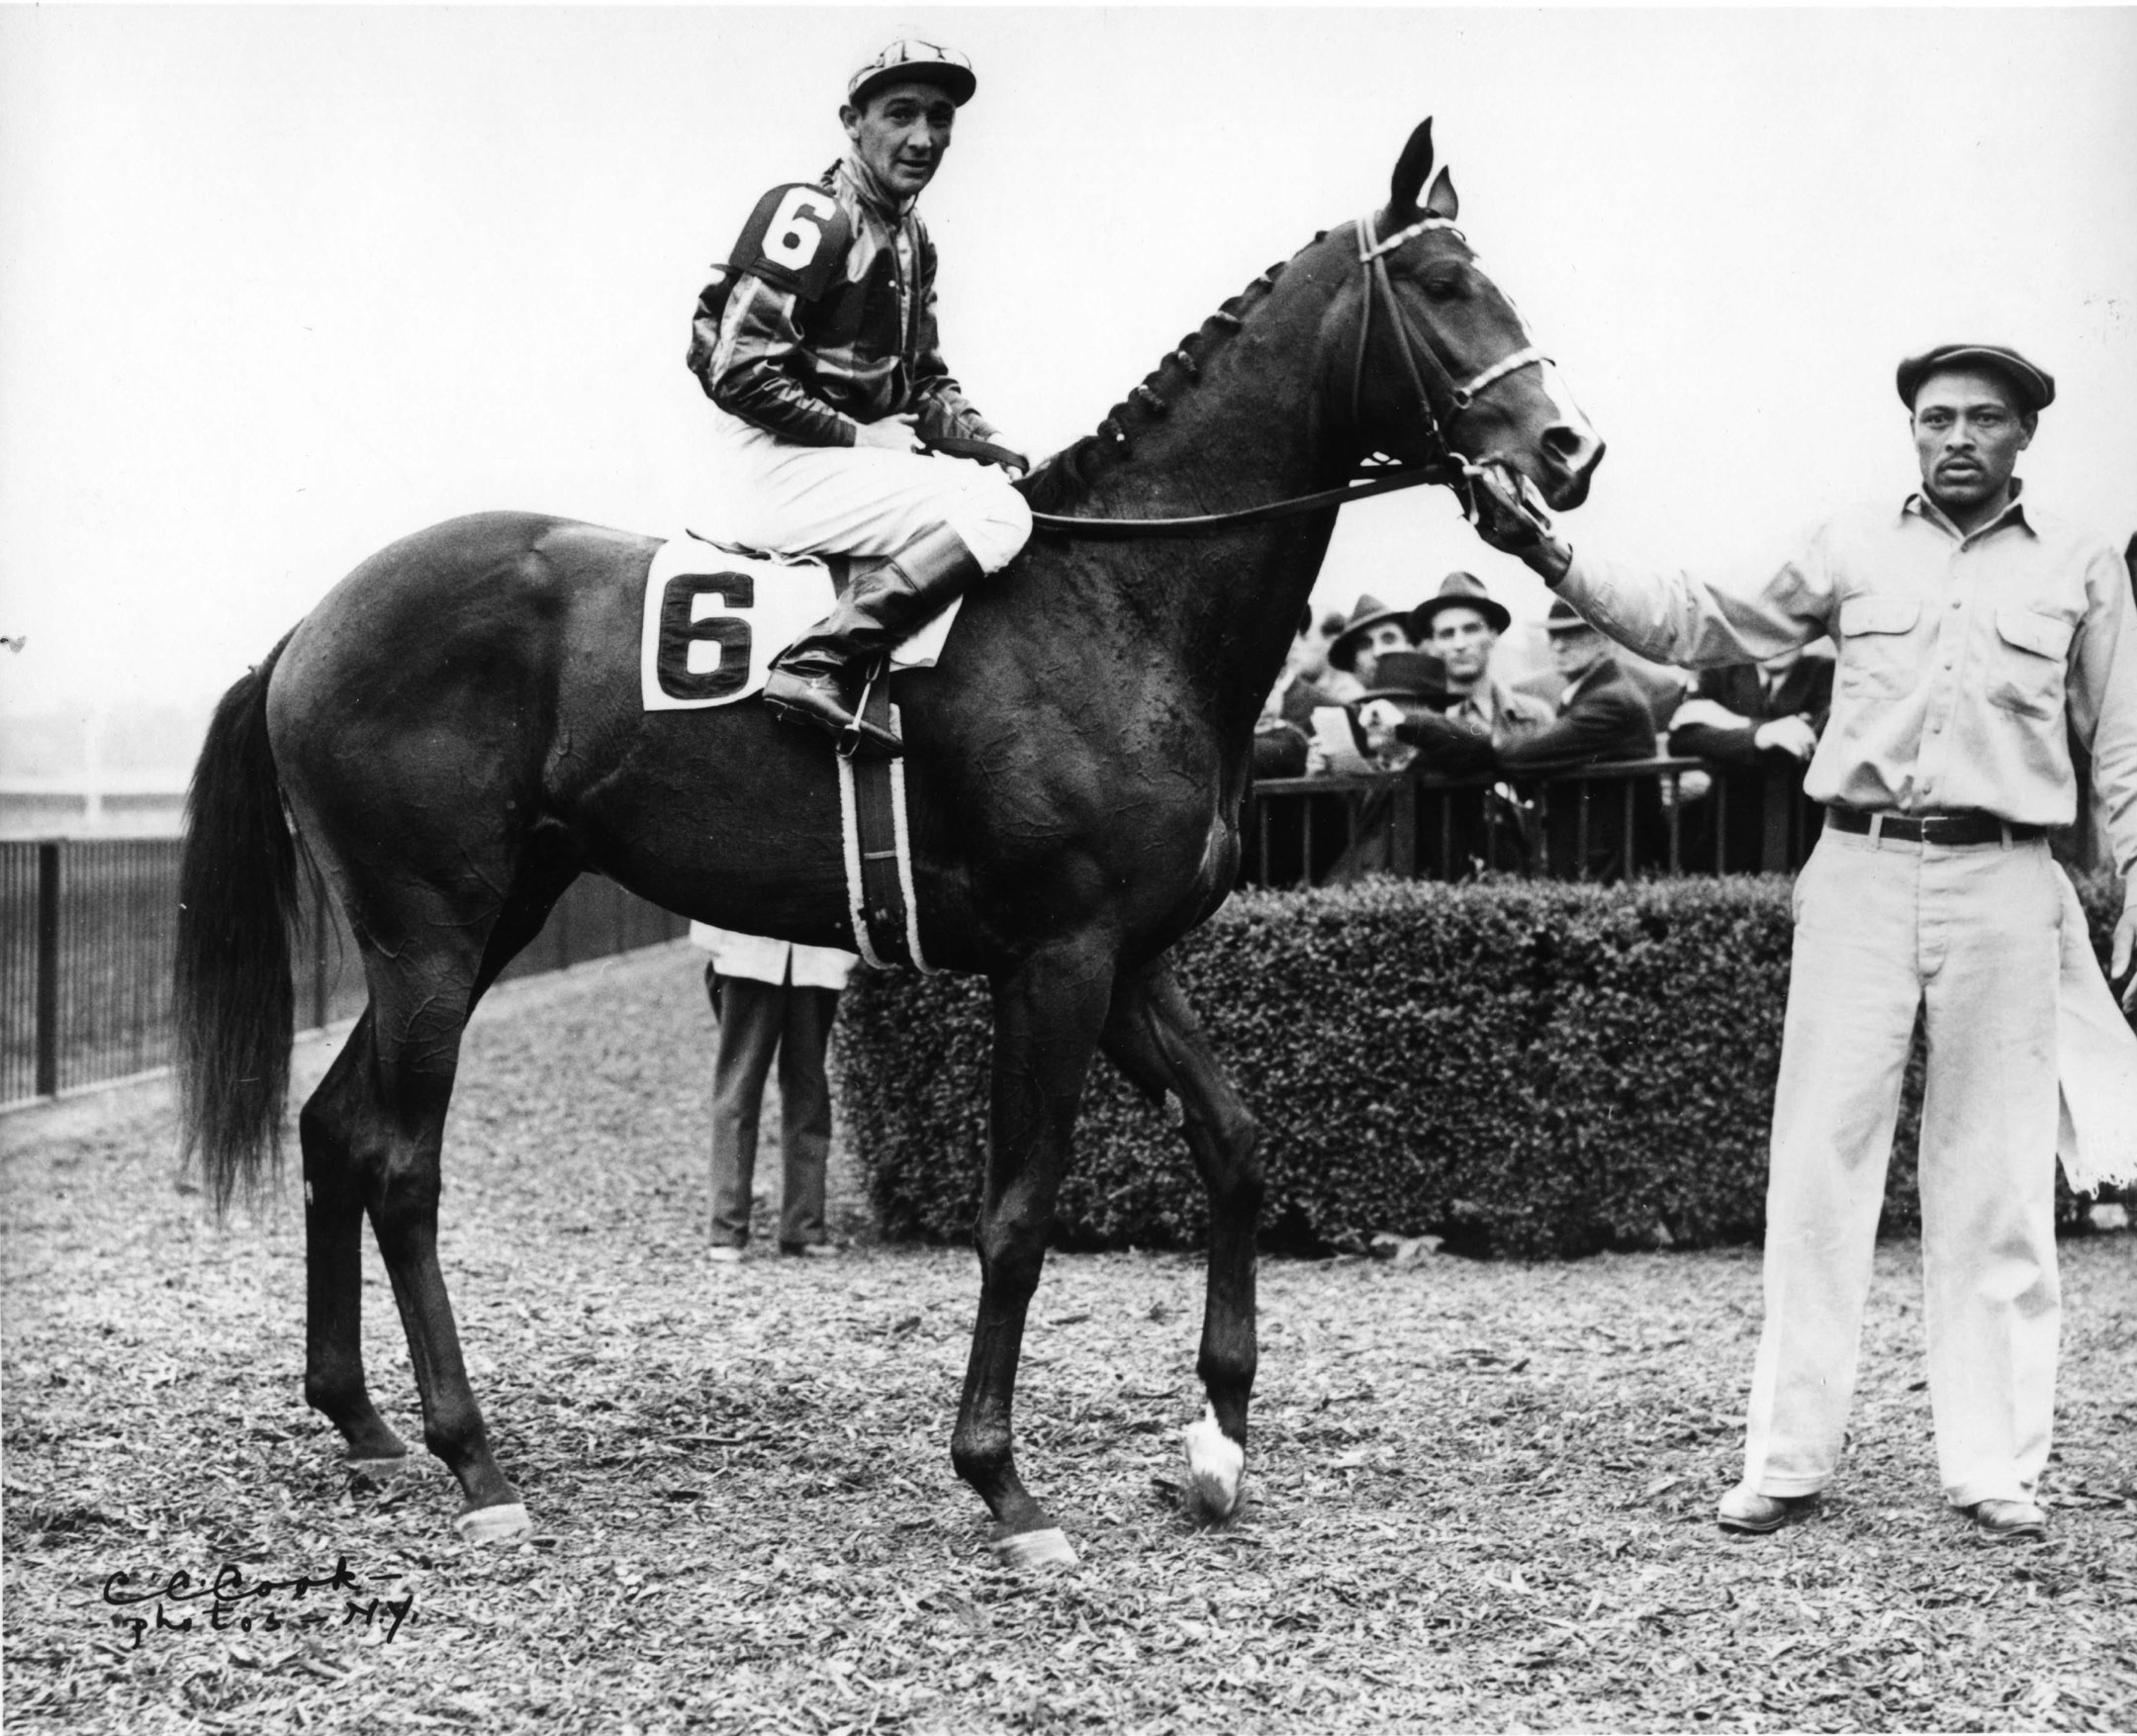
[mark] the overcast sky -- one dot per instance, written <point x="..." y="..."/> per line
<point x="278" y="285"/>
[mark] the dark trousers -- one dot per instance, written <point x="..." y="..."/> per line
<point x="756" y="1021"/>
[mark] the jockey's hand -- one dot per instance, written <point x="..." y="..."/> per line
<point x="2125" y="942"/>
<point x="895" y="433"/>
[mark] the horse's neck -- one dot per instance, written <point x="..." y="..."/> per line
<point x="1246" y="432"/>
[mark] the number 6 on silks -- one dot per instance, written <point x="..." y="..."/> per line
<point x="796" y="241"/>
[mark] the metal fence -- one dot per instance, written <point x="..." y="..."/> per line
<point x="88" y="930"/>
<point x="1642" y="817"/>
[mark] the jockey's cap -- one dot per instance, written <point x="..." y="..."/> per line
<point x="2034" y="384"/>
<point x="911" y="58"/>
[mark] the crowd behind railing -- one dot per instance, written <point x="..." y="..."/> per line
<point x="1405" y="741"/>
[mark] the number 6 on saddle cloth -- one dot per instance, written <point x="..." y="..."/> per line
<point x="717" y="616"/>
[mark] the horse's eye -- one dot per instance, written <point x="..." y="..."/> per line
<point x="1445" y="284"/>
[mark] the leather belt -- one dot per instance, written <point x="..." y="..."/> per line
<point x="1971" y="827"/>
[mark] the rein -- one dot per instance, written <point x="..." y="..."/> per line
<point x="1445" y="465"/>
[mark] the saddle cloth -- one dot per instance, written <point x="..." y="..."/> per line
<point x="715" y="616"/>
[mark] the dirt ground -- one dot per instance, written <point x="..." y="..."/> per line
<point x="1480" y="1496"/>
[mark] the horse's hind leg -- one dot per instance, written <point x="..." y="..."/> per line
<point x="421" y="1010"/>
<point x="1153" y="1036"/>
<point x="334" y="1192"/>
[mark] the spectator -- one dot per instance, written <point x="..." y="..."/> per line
<point x="1602" y="719"/>
<point x="1284" y="744"/>
<point x="1355" y="654"/>
<point x="1462" y="624"/>
<point x="1757" y="722"/>
<point x="771" y="997"/>
<point x="1474" y="826"/>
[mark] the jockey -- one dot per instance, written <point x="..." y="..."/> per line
<point x="817" y="347"/>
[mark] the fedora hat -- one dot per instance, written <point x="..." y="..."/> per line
<point x="1408" y="675"/>
<point x="911" y="58"/>
<point x="1458" y="591"/>
<point x="1368" y="614"/>
<point x="1564" y="618"/>
<point x="2035" y="385"/>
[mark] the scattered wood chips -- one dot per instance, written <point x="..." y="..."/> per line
<point x="1479" y="1495"/>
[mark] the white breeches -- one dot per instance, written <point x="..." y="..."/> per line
<point x="769" y="493"/>
<point x="1970" y="936"/>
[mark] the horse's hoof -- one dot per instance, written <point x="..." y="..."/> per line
<point x="493" y="1524"/>
<point x="1025" y="1551"/>
<point x="379" y="1469"/>
<point x="1216" y="1464"/>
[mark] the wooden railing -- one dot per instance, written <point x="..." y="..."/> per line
<point x="1575" y="825"/>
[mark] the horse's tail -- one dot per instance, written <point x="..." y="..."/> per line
<point x="236" y="907"/>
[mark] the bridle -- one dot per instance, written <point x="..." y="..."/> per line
<point x="1441" y="464"/>
<point x="1417" y="349"/>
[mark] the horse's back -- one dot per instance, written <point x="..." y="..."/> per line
<point x="463" y="605"/>
<point x="451" y="651"/>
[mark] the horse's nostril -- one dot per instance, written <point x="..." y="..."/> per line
<point x="1566" y="441"/>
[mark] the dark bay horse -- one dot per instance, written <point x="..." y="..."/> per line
<point x="455" y="733"/>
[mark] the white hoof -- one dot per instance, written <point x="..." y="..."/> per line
<point x="1216" y="1466"/>
<point x="1026" y="1550"/>
<point x="493" y="1524"/>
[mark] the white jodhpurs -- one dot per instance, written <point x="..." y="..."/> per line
<point x="773" y="495"/>
<point x="1970" y="936"/>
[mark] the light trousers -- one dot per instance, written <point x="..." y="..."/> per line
<point x="1970" y="936"/>
<point x="774" y="494"/>
<point x="756" y="1021"/>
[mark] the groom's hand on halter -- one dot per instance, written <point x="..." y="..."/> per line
<point x="1506" y="522"/>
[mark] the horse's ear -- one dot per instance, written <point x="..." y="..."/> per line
<point x="1441" y="201"/>
<point x="1411" y="168"/>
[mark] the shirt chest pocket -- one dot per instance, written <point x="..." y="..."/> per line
<point x="2026" y="667"/>
<point x="1880" y="644"/>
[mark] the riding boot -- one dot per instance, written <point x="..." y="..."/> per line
<point x="820" y="678"/>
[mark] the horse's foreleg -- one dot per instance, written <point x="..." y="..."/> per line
<point x="1153" y="1035"/>
<point x="413" y="1079"/>
<point x="335" y="1383"/>
<point x="1047" y="1014"/>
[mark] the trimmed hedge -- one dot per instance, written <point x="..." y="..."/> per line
<point x="1523" y="1067"/>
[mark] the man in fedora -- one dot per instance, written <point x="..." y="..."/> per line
<point x="1461" y="623"/>
<point x="818" y="347"/>
<point x="1977" y="635"/>
<point x="1602" y="716"/>
<point x="1602" y="719"/>
<point x="1372" y="630"/>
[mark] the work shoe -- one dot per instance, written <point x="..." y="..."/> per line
<point x="725" y="1253"/>
<point x="808" y="1250"/>
<point x="2009" y="1522"/>
<point x="1746" y="1511"/>
<point x="822" y="678"/>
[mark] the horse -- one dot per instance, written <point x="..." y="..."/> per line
<point x="454" y="733"/>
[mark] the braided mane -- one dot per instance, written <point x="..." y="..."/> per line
<point x="1066" y="479"/>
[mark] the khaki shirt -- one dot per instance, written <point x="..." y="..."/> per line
<point x="1963" y="660"/>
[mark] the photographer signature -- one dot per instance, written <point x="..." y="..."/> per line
<point x="235" y="1603"/>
